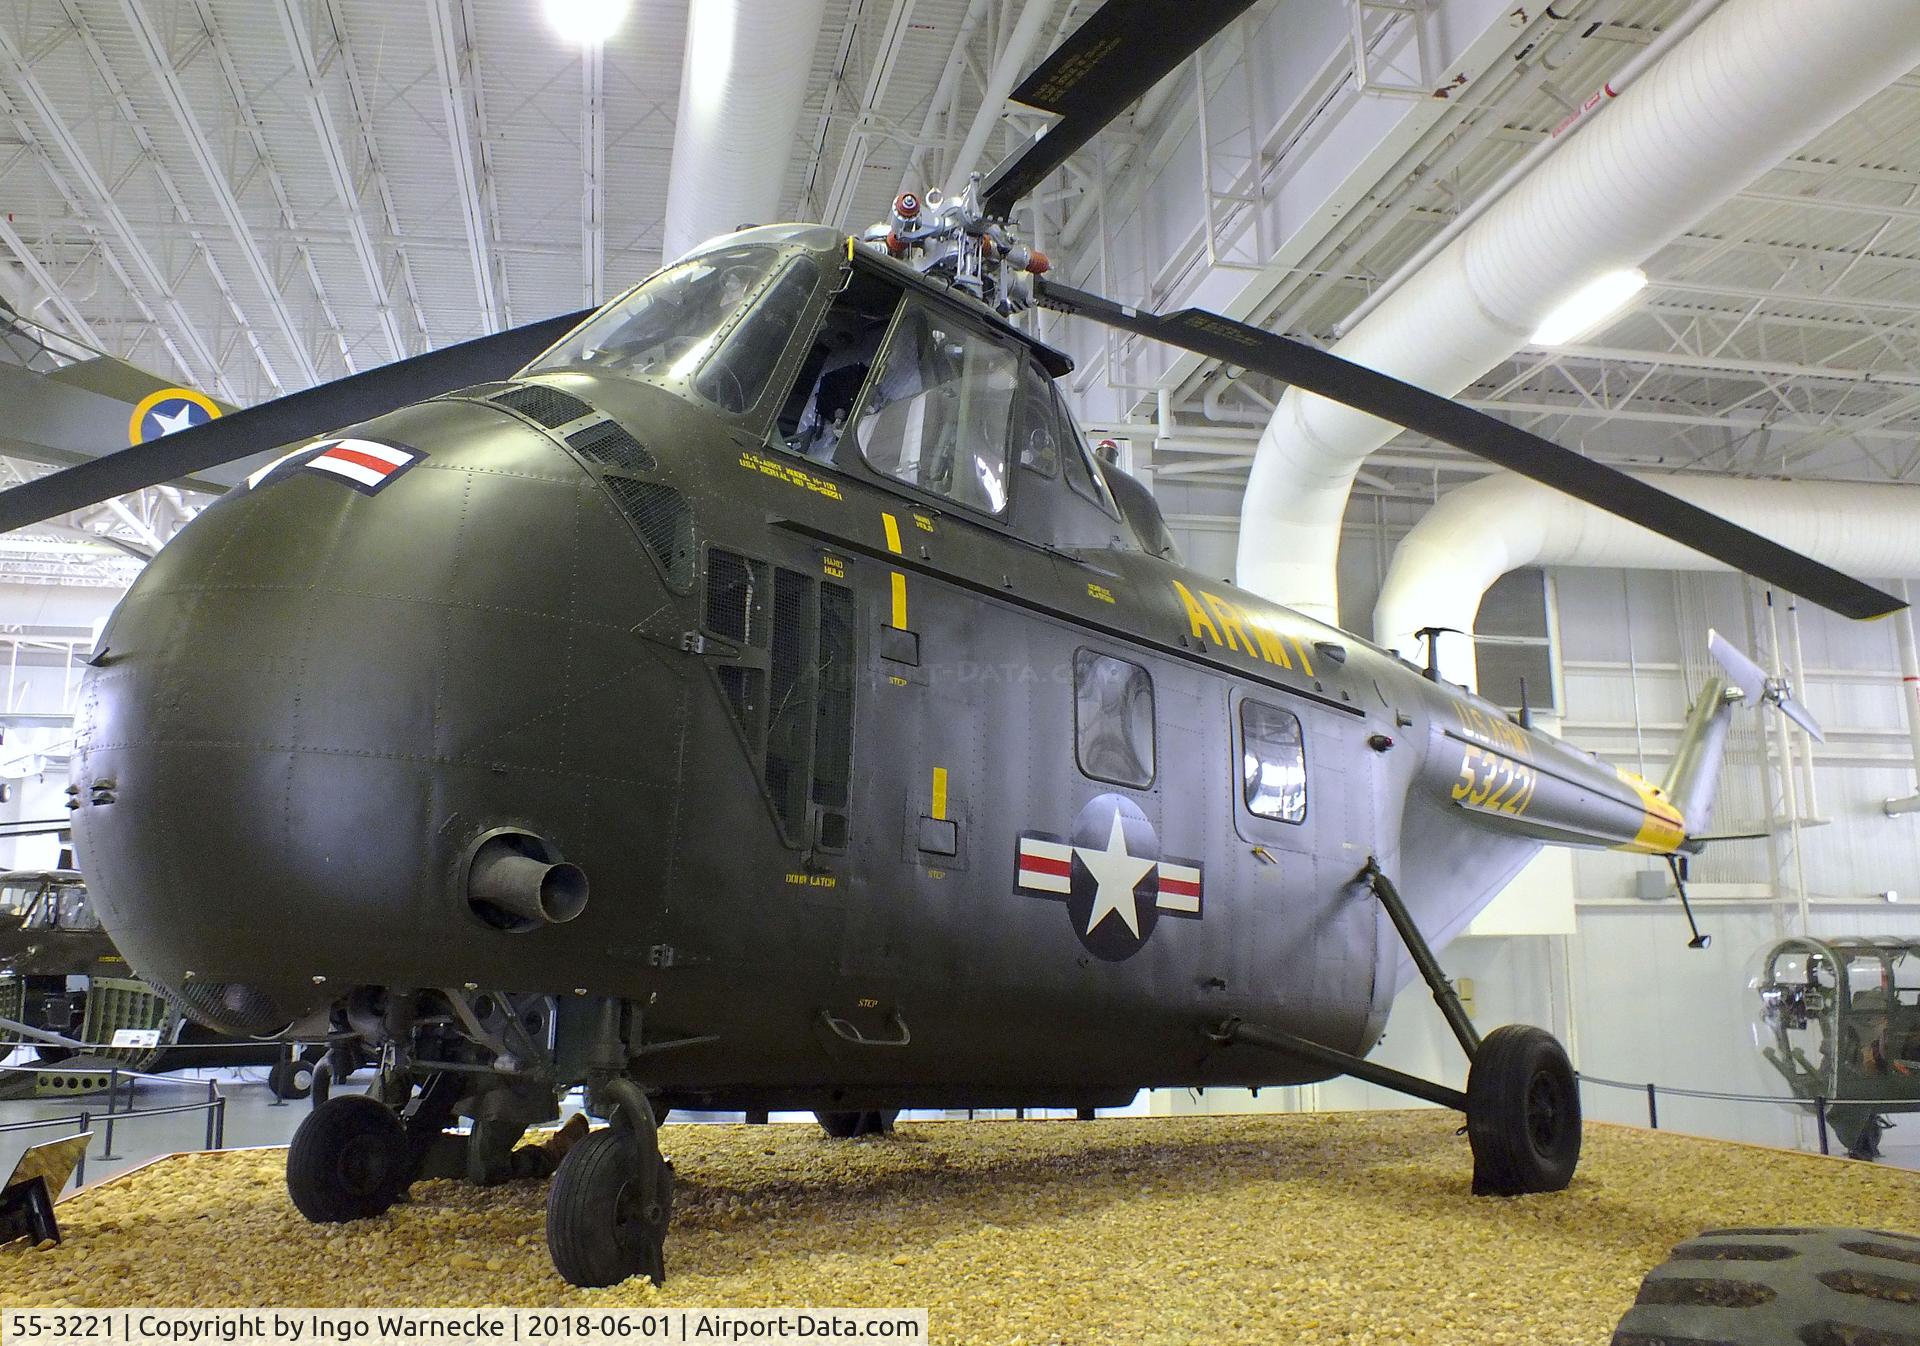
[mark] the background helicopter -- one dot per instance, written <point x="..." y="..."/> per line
<point x="1840" y="1020"/>
<point x="623" y="723"/>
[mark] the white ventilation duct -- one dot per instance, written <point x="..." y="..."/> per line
<point x="1478" y="532"/>
<point x="1733" y="99"/>
<point x="742" y="81"/>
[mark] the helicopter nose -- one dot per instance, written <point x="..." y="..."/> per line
<point x="377" y="702"/>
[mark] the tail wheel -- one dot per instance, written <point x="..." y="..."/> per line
<point x="849" y="1125"/>
<point x="348" y="1160"/>
<point x="608" y="1209"/>
<point x="1523" y="1113"/>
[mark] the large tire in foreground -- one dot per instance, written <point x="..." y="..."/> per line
<point x="608" y="1210"/>
<point x="1523" y="1113"/>
<point x="348" y="1160"/>
<point x="1781" y="1287"/>
<point x="852" y="1125"/>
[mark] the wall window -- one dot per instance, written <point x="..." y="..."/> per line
<point x="1511" y="643"/>
<point x="1273" y="762"/>
<point x="937" y="412"/>
<point x="1113" y="719"/>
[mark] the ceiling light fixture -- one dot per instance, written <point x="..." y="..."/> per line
<point x="586" y="22"/>
<point x="1588" y="306"/>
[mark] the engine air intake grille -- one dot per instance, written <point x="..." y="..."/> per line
<point x="609" y="445"/>
<point x="664" y="520"/>
<point x="737" y="598"/>
<point x="790" y="687"/>
<point x="548" y="406"/>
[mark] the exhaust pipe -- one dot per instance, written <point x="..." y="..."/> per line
<point x="518" y="882"/>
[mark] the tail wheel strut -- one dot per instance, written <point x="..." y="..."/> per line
<point x="1523" y="1097"/>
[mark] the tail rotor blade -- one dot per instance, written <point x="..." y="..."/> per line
<point x="1488" y="438"/>
<point x="1791" y="708"/>
<point x="1748" y="676"/>
<point x="1753" y="682"/>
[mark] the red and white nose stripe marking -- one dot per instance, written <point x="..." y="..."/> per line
<point x="364" y="462"/>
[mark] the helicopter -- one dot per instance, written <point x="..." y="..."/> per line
<point x="754" y="695"/>
<point x="1855" y="1003"/>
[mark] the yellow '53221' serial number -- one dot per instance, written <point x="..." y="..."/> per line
<point x="1495" y="783"/>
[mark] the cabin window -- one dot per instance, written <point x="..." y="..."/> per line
<point x="664" y="327"/>
<point x="1113" y="719"/>
<point x="1040" y="433"/>
<point x="937" y="409"/>
<point x="1273" y="761"/>
<point x="821" y="400"/>
<point x="735" y="378"/>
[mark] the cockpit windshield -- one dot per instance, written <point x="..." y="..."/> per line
<point x="666" y="326"/>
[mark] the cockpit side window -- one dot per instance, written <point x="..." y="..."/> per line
<point x="737" y="374"/>
<point x="1039" y="434"/>
<point x="1082" y="473"/>
<point x="665" y="326"/>
<point x="822" y="398"/>
<point x="937" y="410"/>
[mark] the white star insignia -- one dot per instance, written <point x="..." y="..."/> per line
<point x="179" y="420"/>
<point x="1115" y="874"/>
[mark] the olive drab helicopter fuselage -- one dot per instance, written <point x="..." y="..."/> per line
<point x="867" y="748"/>
<point x="763" y="700"/>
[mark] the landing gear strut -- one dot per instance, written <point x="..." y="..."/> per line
<point x="611" y="1199"/>
<point x="853" y="1125"/>
<point x="1522" y="1100"/>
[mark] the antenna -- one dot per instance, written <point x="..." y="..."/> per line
<point x="1432" y="634"/>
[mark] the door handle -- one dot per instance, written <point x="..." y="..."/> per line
<point x="850" y="1032"/>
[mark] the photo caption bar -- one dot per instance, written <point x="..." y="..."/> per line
<point x="464" y="1327"/>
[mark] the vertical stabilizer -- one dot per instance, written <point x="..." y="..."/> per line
<point x="1694" y="780"/>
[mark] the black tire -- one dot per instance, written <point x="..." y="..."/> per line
<point x="348" y="1160"/>
<point x="1523" y="1113"/>
<point x="291" y="1080"/>
<point x="852" y="1125"/>
<point x="608" y="1210"/>
<point x="1795" y="1287"/>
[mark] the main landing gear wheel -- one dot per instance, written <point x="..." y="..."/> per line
<point x="608" y="1209"/>
<point x="291" y="1077"/>
<point x="850" y="1125"/>
<point x="348" y="1160"/>
<point x="1523" y="1113"/>
<point x="1781" y="1287"/>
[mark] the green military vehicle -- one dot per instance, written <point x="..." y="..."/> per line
<point x="60" y="974"/>
<point x="1840" y="1020"/>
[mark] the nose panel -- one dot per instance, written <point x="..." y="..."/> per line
<point x="316" y="697"/>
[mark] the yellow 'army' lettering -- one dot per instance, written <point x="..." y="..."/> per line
<point x="1242" y="630"/>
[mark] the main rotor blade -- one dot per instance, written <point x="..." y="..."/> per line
<point x="1486" y="437"/>
<point x="285" y="420"/>
<point x="1125" y="48"/>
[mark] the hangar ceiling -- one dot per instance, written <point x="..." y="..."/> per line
<point x="255" y="195"/>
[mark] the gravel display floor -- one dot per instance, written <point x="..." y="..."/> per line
<point x="1344" y="1227"/>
